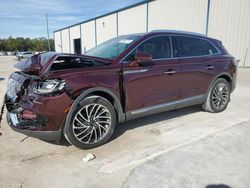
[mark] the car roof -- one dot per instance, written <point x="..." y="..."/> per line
<point x="177" y="32"/>
<point x="165" y="31"/>
<point x="151" y="33"/>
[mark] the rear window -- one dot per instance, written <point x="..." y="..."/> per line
<point x="188" y="47"/>
<point x="210" y="47"/>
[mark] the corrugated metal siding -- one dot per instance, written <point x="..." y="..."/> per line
<point x="65" y="41"/>
<point x="106" y="28"/>
<point x="230" y="22"/>
<point x="132" y="20"/>
<point x="58" y="42"/>
<point x="88" y="35"/>
<point x="74" y="34"/>
<point x="188" y="15"/>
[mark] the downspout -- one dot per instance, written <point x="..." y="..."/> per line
<point x="208" y="14"/>
<point x="147" y="18"/>
<point x="95" y="34"/>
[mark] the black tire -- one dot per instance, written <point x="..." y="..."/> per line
<point x="84" y="105"/>
<point x="210" y="103"/>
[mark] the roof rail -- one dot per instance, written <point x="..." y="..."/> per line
<point x="177" y="32"/>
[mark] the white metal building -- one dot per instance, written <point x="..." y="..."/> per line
<point x="227" y="20"/>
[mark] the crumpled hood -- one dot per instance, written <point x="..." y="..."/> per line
<point x="39" y="64"/>
<point x="36" y="63"/>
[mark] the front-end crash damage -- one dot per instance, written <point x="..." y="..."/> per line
<point x="40" y="95"/>
<point x="36" y="106"/>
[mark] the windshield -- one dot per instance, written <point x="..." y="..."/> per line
<point x="112" y="48"/>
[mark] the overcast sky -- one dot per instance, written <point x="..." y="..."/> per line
<point x="26" y="18"/>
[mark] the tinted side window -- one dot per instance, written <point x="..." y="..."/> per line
<point x="210" y="47"/>
<point x="188" y="46"/>
<point x="157" y="47"/>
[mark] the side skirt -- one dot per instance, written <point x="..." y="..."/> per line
<point x="166" y="107"/>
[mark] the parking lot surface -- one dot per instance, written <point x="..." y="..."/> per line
<point x="182" y="148"/>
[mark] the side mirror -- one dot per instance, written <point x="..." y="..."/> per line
<point x="142" y="59"/>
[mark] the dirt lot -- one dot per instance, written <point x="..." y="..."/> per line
<point x="183" y="148"/>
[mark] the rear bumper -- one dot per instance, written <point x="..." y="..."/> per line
<point x="44" y="135"/>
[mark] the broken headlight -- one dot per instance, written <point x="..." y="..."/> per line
<point x="49" y="86"/>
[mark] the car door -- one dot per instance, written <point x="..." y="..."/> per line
<point x="148" y="86"/>
<point x="197" y="68"/>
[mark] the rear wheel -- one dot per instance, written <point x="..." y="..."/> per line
<point x="218" y="96"/>
<point x="92" y="124"/>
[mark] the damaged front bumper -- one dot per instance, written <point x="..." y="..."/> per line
<point x="32" y="114"/>
<point x="12" y="120"/>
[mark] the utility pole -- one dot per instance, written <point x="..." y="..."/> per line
<point x="47" y="30"/>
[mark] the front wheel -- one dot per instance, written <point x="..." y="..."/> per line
<point x="218" y="96"/>
<point x="92" y="124"/>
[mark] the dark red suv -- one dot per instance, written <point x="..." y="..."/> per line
<point x="83" y="97"/>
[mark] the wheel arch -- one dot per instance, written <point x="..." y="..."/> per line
<point x="207" y="103"/>
<point x="227" y="78"/>
<point x="224" y="75"/>
<point x="102" y="92"/>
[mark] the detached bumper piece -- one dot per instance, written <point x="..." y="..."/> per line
<point x="25" y="127"/>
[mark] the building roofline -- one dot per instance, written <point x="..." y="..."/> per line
<point x="107" y="14"/>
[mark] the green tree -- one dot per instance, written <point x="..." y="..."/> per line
<point x="25" y="44"/>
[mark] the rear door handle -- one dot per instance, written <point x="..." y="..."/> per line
<point x="209" y="67"/>
<point x="170" y="72"/>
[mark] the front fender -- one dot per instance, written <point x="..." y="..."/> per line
<point x="84" y="94"/>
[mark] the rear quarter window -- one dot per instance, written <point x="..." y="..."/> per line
<point x="210" y="47"/>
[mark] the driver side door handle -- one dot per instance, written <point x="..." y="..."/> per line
<point x="209" y="67"/>
<point x="170" y="72"/>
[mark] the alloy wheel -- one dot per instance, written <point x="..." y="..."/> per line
<point x="91" y="123"/>
<point x="220" y="96"/>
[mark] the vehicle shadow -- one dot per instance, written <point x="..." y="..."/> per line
<point x="61" y="142"/>
<point x="1" y="79"/>
<point x="218" y="186"/>
<point x="144" y="121"/>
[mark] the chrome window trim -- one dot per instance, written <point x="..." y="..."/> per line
<point x="171" y="44"/>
